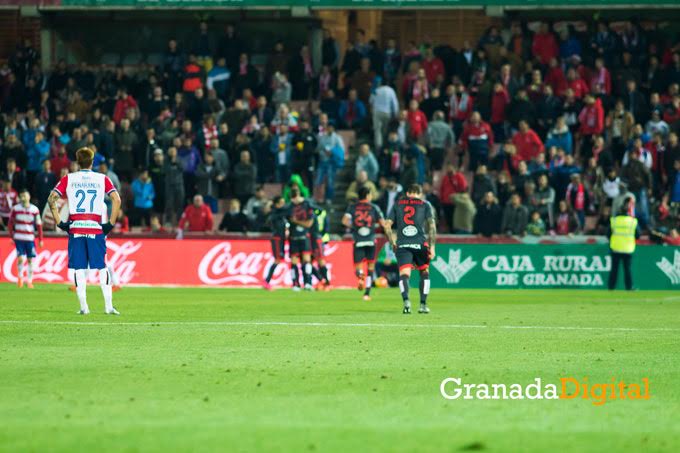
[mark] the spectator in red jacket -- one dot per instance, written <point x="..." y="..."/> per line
<point x="499" y="104"/>
<point x="591" y="123"/>
<point x="417" y="121"/>
<point x="477" y="140"/>
<point x="433" y="66"/>
<point x="60" y="161"/>
<point x="197" y="217"/>
<point x="460" y="106"/>
<point x="556" y="78"/>
<point x="576" y="83"/>
<point x="544" y="46"/>
<point x="601" y="77"/>
<point x="527" y="142"/>
<point x="453" y="182"/>
<point x="192" y="76"/>
<point x="124" y="102"/>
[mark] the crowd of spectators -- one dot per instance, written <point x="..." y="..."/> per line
<point x="539" y="129"/>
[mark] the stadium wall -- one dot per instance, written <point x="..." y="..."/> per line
<point x="244" y="263"/>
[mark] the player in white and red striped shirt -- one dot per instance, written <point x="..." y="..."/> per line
<point x="85" y="192"/>
<point x="8" y="198"/>
<point x="24" y="220"/>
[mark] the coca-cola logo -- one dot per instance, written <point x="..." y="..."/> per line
<point x="52" y="266"/>
<point x="222" y="266"/>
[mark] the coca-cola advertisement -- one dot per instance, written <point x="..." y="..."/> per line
<point x="189" y="262"/>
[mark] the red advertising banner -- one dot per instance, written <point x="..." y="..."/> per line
<point x="187" y="262"/>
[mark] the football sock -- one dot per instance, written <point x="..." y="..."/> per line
<point x="20" y="269"/>
<point x="295" y="274"/>
<point x="30" y="272"/>
<point x="113" y="276"/>
<point x="323" y="270"/>
<point x="403" y="286"/>
<point x="369" y="282"/>
<point x="307" y="273"/>
<point x="80" y="279"/>
<point x="271" y="271"/>
<point x="105" y="283"/>
<point x="316" y="273"/>
<point x="424" y="286"/>
<point x="359" y="273"/>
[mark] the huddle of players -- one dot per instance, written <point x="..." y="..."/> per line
<point x="299" y="223"/>
<point x="411" y="230"/>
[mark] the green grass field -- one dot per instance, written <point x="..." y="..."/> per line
<point x="248" y="370"/>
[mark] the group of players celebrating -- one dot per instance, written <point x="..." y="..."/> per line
<point x="410" y="228"/>
<point x="300" y="223"/>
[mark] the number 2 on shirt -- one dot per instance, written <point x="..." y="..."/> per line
<point x="409" y="212"/>
<point x="80" y="194"/>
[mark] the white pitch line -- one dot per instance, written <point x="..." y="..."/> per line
<point x="332" y="324"/>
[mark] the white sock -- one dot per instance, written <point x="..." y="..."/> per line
<point x="20" y="269"/>
<point x="80" y="278"/>
<point x="113" y="275"/>
<point x="105" y="283"/>
<point x="369" y="280"/>
<point x="30" y="271"/>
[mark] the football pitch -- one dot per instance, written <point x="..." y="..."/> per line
<point x="249" y="370"/>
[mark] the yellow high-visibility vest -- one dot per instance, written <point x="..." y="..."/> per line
<point x="623" y="234"/>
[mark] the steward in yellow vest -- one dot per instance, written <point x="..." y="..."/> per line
<point x="622" y="234"/>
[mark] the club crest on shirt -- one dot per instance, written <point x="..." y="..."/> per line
<point x="409" y="231"/>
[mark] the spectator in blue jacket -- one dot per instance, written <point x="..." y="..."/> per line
<point x="560" y="136"/>
<point x="28" y="138"/>
<point x="569" y="43"/>
<point x="189" y="158"/>
<point x="331" y="150"/>
<point x="352" y="113"/>
<point x="280" y="148"/>
<point x="218" y="79"/>
<point x="36" y="152"/>
<point x="144" y="194"/>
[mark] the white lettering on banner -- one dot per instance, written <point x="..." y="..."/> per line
<point x="517" y="263"/>
<point x="520" y="270"/>
<point x="49" y="266"/>
<point x="576" y="263"/>
<point x="506" y="279"/>
<point x="117" y="257"/>
<point x="219" y="266"/>
<point x="46" y="265"/>
<point x="562" y="280"/>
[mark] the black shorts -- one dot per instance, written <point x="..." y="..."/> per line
<point x="411" y="257"/>
<point x="318" y="249"/>
<point x="278" y="248"/>
<point x="299" y="247"/>
<point x="364" y="253"/>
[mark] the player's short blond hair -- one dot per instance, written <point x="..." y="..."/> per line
<point x="85" y="157"/>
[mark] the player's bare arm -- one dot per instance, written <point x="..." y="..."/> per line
<point x="115" y="207"/>
<point x="431" y="235"/>
<point x="347" y="220"/>
<point x="387" y="227"/>
<point x="52" y="203"/>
